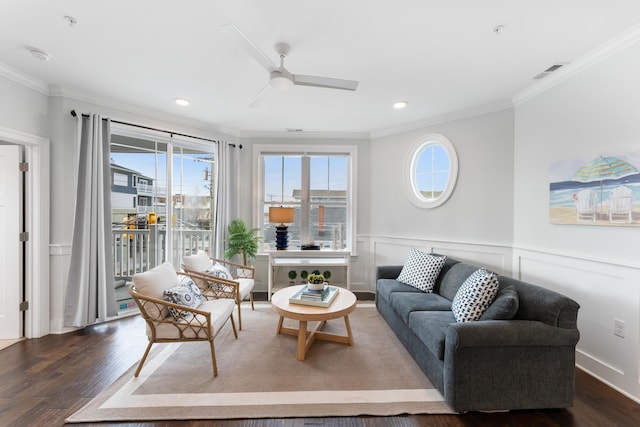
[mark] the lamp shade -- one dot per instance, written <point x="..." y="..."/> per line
<point x="281" y="215"/>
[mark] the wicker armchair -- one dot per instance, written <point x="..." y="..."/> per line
<point x="197" y="324"/>
<point x="207" y="270"/>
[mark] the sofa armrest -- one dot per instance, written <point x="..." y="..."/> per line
<point x="491" y="333"/>
<point x="388" y="271"/>
<point x="509" y="364"/>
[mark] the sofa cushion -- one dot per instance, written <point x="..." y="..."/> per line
<point x="421" y="270"/>
<point x="404" y="303"/>
<point x="386" y="287"/>
<point x="504" y="307"/>
<point x="431" y="328"/>
<point x="475" y="295"/>
<point x="454" y="278"/>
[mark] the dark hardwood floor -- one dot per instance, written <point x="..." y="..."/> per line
<point x="42" y="381"/>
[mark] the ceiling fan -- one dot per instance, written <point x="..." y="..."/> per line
<point x="279" y="76"/>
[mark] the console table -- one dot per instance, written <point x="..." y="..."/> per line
<point x="309" y="260"/>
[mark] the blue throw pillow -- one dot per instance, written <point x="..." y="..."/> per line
<point x="504" y="307"/>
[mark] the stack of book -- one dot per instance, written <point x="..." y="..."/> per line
<point x="313" y="295"/>
<point x="322" y="298"/>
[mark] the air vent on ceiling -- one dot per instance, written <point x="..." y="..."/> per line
<point x="294" y="130"/>
<point x="553" y="68"/>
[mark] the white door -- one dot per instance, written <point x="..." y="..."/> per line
<point x="10" y="245"/>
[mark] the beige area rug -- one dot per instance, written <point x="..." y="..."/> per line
<point x="259" y="376"/>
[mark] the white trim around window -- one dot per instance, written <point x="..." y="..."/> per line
<point x="307" y="150"/>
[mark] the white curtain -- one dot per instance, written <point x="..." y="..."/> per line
<point x="228" y="166"/>
<point x="90" y="295"/>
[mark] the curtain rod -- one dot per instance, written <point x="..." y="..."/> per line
<point x="74" y="114"/>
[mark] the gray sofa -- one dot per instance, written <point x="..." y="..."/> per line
<point x="526" y="362"/>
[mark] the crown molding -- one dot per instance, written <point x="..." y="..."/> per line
<point x="23" y="79"/>
<point x="599" y="54"/>
<point x="445" y="118"/>
<point x="303" y="135"/>
<point x="144" y="112"/>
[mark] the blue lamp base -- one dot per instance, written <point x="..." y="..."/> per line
<point x="282" y="237"/>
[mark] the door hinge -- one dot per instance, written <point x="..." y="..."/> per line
<point x="24" y="306"/>
<point x="24" y="236"/>
<point x="24" y="167"/>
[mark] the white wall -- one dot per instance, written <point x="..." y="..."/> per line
<point x="479" y="213"/>
<point x="591" y="113"/>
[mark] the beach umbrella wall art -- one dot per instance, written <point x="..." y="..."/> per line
<point x="602" y="191"/>
<point x="603" y="168"/>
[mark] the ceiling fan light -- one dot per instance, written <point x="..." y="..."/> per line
<point x="278" y="81"/>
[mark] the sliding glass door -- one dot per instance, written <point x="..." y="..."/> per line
<point x="163" y="201"/>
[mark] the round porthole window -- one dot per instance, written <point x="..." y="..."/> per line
<point x="431" y="171"/>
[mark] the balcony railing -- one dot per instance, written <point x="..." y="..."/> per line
<point x="138" y="250"/>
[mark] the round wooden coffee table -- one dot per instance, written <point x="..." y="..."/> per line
<point x="341" y="306"/>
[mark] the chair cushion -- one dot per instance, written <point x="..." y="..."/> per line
<point x="153" y="283"/>
<point x="504" y="307"/>
<point x="199" y="262"/>
<point x="220" y="309"/>
<point x="246" y="286"/>
<point x="421" y="270"/>
<point x="475" y="295"/>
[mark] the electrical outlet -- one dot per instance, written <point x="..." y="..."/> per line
<point x="618" y="328"/>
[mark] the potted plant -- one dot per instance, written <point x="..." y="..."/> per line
<point x="303" y="275"/>
<point x="316" y="282"/>
<point x="292" y="277"/>
<point x="242" y="241"/>
<point x="327" y="276"/>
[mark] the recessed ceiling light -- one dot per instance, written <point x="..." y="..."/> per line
<point x="399" y="105"/>
<point x="182" y="102"/>
<point x="40" y="55"/>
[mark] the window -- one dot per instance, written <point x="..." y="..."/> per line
<point x="317" y="183"/>
<point x="120" y="179"/>
<point x="431" y="171"/>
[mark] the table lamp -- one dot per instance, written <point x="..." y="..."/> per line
<point x="281" y="215"/>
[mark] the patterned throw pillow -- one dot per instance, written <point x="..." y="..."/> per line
<point x="221" y="271"/>
<point x="421" y="270"/>
<point x="183" y="295"/>
<point x="189" y="283"/>
<point x="475" y="295"/>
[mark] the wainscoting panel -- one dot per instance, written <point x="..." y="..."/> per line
<point x="606" y="292"/>
<point x="59" y="260"/>
<point x="389" y="251"/>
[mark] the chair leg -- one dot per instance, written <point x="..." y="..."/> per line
<point x="251" y="298"/>
<point x="213" y="358"/>
<point x="233" y="325"/>
<point x="144" y="357"/>
<point x="239" y="314"/>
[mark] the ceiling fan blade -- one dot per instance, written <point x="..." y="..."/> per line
<point x="327" y="82"/>
<point x="244" y="42"/>
<point x="258" y="98"/>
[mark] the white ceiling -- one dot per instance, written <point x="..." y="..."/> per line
<point x="441" y="56"/>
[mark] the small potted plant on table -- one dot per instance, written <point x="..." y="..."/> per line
<point x="316" y="282"/>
